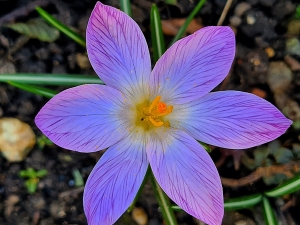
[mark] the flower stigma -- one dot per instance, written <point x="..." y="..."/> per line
<point x="151" y="114"/>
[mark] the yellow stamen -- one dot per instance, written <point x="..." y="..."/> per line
<point x="154" y="103"/>
<point x="155" y="123"/>
<point x="154" y="111"/>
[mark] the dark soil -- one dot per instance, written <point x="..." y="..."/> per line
<point x="262" y="33"/>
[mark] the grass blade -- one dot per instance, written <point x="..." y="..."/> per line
<point x="269" y="215"/>
<point x="287" y="187"/>
<point x="187" y="22"/>
<point x="51" y="79"/>
<point x="157" y="37"/>
<point x="235" y="203"/>
<point x="61" y="27"/>
<point x="163" y="202"/>
<point x="45" y="92"/>
<point x="242" y="202"/>
<point x="125" y="7"/>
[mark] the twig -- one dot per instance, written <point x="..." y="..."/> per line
<point x="72" y="192"/>
<point x="224" y="12"/>
<point x="269" y="171"/>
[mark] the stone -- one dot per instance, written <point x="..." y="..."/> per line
<point x="241" y="8"/>
<point x="293" y="28"/>
<point x="293" y="46"/>
<point x="7" y="67"/>
<point x="16" y="139"/>
<point x="83" y="61"/>
<point x="139" y="216"/>
<point x="279" y="76"/>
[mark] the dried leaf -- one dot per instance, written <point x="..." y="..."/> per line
<point x="171" y="27"/>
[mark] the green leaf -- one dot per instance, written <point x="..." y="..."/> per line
<point x="125" y="7"/>
<point x="171" y="2"/>
<point x="187" y="22"/>
<point x="42" y="141"/>
<point x="270" y="218"/>
<point x="242" y="202"/>
<point x="61" y="27"/>
<point x="41" y="173"/>
<point x="275" y="179"/>
<point x="297" y="13"/>
<point x="274" y="146"/>
<point x="287" y="187"/>
<point x="28" y="173"/>
<point x="31" y="185"/>
<point x="248" y="162"/>
<point x="296" y="124"/>
<point x="36" y="28"/>
<point x="296" y="150"/>
<point x="260" y="156"/>
<point x="51" y="79"/>
<point x="283" y="155"/>
<point x="157" y="36"/>
<point x="205" y="146"/>
<point x="77" y="178"/>
<point x="34" y="89"/>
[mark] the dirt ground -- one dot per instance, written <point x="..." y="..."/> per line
<point x="267" y="64"/>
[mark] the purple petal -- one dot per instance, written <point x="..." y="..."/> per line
<point x="231" y="119"/>
<point x="185" y="171"/>
<point x="84" y="118"/>
<point x="114" y="182"/>
<point x="194" y="65"/>
<point x="118" y="50"/>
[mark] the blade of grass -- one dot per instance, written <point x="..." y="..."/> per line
<point x="50" y="79"/>
<point x="269" y="215"/>
<point x="45" y="92"/>
<point x="235" y="203"/>
<point x="187" y="22"/>
<point x="125" y="7"/>
<point x="287" y="187"/>
<point x="242" y="202"/>
<point x="163" y="202"/>
<point x="61" y="27"/>
<point x="157" y="37"/>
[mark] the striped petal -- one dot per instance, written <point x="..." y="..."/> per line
<point x="194" y="65"/>
<point x="114" y="182"/>
<point x="86" y="118"/>
<point x="231" y="119"/>
<point x="118" y="50"/>
<point x="185" y="171"/>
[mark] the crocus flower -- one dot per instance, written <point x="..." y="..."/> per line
<point x="155" y="118"/>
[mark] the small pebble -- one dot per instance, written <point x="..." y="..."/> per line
<point x="270" y="52"/>
<point x="139" y="216"/>
<point x="293" y="46"/>
<point x="292" y="62"/>
<point x="235" y="21"/>
<point x="16" y="139"/>
<point x="241" y="8"/>
<point x="83" y="61"/>
<point x="250" y="19"/>
<point x="279" y="76"/>
<point x="259" y="92"/>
